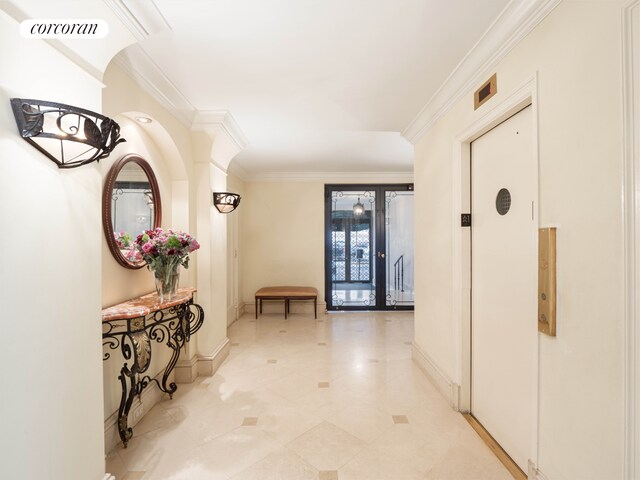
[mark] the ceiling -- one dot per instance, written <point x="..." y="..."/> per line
<point x="317" y="86"/>
<point x="314" y="85"/>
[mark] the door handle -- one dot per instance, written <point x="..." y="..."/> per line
<point x="380" y="255"/>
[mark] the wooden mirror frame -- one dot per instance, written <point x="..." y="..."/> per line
<point x="107" y="194"/>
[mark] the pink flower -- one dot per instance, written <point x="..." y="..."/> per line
<point x="133" y="255"/>
<point x="157" y="245"/>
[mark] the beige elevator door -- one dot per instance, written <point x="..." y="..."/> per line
<point x="504" y="284"/>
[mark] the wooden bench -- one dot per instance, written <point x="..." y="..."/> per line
<point x="287" y="294"/>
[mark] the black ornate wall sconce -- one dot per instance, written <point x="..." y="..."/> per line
<point x="43" y="123"/>
<point x="226" y="202"/>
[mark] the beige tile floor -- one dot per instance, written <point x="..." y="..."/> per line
<point x="334" y="399"/>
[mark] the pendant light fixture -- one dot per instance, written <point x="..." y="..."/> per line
<point x="358" y="208"/>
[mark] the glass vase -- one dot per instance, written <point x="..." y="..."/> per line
<point x="167" y="278"/>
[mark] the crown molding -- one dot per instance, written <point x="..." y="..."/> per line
<point x="329" y="177"/>
<point x="237" y="170"/>
<point x="513" y="24"/>
<point x="145" y="72"/>
<point x="220" y="121"/>
<point x="227" y="138"/>
<point x="142" y="19"/>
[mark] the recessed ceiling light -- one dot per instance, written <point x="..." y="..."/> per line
<point x="144" y="119"/>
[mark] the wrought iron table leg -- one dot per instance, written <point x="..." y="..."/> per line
<point x="171" y="389"/>
<point x="126" y="400"/>
<point x="176" y="342"/>
<point x="135" y="347"/>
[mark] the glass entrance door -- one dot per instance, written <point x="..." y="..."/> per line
<point x="352" y="248"/>
<point x="367" y="226"/>
<point x="398" y="220"/>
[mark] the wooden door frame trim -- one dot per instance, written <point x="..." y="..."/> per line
<point x="631" y="218"/>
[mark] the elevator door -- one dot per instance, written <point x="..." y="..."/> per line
<point x="504" y="284"/>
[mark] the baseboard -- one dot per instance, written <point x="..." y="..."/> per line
<point x="534" y="473"/>
<point x="108" y="476"/>
<point x="239" y="312"/>
<point x="540" y="476"/>
<point x="242" y="310"/>
<point x="186" y="371"/>
<point x="208" y="364"/>
<point x="448" y="389"/>
<point x="140" y="407"/>
<point x="277" y="306"/>
<point x="231" y="314"/>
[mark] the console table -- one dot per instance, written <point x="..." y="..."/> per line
<point x="131" y="326"/>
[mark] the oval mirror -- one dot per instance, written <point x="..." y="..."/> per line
<point x="130" y="205"/>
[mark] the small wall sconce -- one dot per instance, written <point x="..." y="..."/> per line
<point x="148" y="198"/>
<point x="42" y="123"/>
<point x="226" y="202"/>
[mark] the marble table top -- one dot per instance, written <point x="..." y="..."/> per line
<point x="144" y="305"/>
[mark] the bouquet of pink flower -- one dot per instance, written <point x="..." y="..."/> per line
<point x="123" y="239"/>
<point x="127" y="246"/>
<point x="161" y="249"/>
<point x="164" y="252"/>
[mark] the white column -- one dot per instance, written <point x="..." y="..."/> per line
<point x="216" y="140"/>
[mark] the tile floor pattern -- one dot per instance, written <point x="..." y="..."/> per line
<point x="342" y="401"/>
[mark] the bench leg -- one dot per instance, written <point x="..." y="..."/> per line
<point x="286" y="307"/>
<point x="257" y="307"/>
<point x="315" y="307"/>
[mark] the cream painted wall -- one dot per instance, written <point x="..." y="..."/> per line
<point x="54" y="288"/>
<point x="211" y="230"/>
<point x="171" y="143"/>
<point x="234" y="253"/>
<point x="576" y="53"/>
<point x="215" y="332"/>
<point x="166" y="145"/>
<point x="174" y="138"/>
<point x="119" y="283"/>
<point x="282" y="239"/>
<point x="50" y="276"/>
<point x="282" y="234"/>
